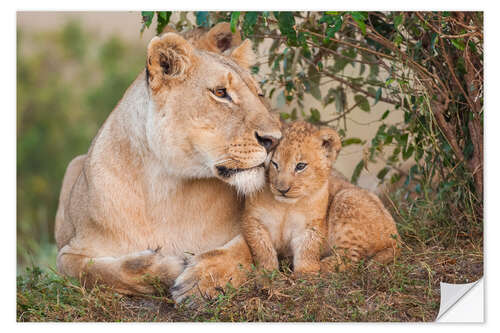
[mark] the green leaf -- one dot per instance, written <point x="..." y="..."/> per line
<point x="357" y="172"/>
<point x="378" y="95"/>
<point x="330" y="97"/>
<point x="249" y="22"/>
<point x="382" y="173"/>
<point x="315" y="116"/>
<point x="286" y="23"/>
<point x="433" y="42"/>
<point x="408" y="152"/>
<point x="397" y="21"/>
<point x="235" y="16"/>
<point x="334" y="25"/>
<point x="403" y="140"/>
<point x="284" y="115"/>
<point x="162" y="15"/>
<point x="362" y="68"/>
<point x="314" y="79"/>
<point x="163" y="18"/>
<point x="374" y="70"/>
<point x="386" y="113"/>
<point x="362" y="102"/>
<point x="395" y="178"/>
<point x="147" y="17"/>
<point x="340" y="64"/>
<point x="337" y="21"/>
<point x="202" y="19"/>
<point x="351" y="141"/>
<point x="458" y="43"/>
<point x="320" y="66"/>
<point x="398" y="39"/>
<point x="359" y="18"/>
<point x="340" y="100"/>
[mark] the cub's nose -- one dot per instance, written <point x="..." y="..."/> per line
<point x="267" y="141"/>
<point x="284" y="191"/>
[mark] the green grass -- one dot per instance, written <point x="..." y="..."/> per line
<point x="406" y="290"/>
<point x="437" y="247"/>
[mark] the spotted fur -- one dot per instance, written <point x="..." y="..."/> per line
<point x="313" y="214"/>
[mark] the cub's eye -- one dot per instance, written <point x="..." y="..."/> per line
<point x="300" y="166"/>
<point x="221" y="93"/>
<point x="275" y="164"/>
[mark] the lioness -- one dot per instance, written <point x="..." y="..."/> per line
<point x="308" y="212"/>
<point x="164" y="177"/>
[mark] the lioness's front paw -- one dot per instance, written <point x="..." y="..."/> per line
<point x="207" y="274"/>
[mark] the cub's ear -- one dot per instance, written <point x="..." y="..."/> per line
<point x="330" y="141"/>
<point x="170" y="59"/>
<point x="220" y="38"/>
<point x="244" y="55"/>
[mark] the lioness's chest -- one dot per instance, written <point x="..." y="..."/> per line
<point x="200" y="216"/>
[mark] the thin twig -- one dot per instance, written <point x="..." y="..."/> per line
<point x="326" y="122"/>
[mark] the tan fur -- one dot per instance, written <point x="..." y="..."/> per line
<point x="218" y="39"/>
<point x="149" y="198"/>
<point x="320" y="215"/>
<point x="359" y="227"/>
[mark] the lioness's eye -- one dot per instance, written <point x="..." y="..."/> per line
<point x="275" y="164"/>
<point x="221" y="93"/>
<point x="300" y="166"/>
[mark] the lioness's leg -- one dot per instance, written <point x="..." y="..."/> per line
<point x="64" y="230"/>
<point x="128" y="274"/>
<point x="212" y="270"/>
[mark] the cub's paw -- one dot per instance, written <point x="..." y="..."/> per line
<point x="207" y="274"/>
<point x="307" y="269"/>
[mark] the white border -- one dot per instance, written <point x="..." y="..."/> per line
<point x="8" y="139"/>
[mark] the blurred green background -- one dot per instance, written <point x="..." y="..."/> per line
<point x="68" y="81"/>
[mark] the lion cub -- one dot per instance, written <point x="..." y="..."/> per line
<point x="289" y="216"/>
<point x="299" y="214"/>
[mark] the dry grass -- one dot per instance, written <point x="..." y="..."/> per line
<point x="407" y="290"/>
<point x="436" y="249"/>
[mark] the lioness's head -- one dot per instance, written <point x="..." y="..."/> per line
<point x="302" y="162"/>
<point x="208" y="117"/>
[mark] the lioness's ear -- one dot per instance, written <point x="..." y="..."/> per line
<point x="330" y="141"/>
<point x="244" y="55"/>
<point x="170" y="59"/>
<point x="220" y="38"/>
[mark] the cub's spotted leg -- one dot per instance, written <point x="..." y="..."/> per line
<point x="128" y="274"/>
<point x="260" y="244"/>
<point x="386" y="255"/>
<point x="307" y="250"/>
<point x="341" y="259"/>
<point x="209" y="272"/>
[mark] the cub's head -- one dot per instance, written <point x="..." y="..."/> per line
<point x="207" y="116"/>
<point x="302" y="162"/>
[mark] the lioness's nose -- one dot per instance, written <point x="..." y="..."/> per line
<point x="267" y="141"/>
